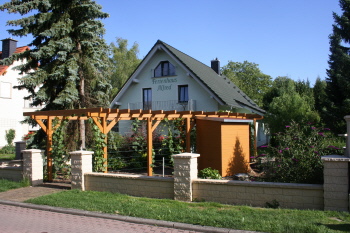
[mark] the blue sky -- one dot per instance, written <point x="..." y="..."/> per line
<point x="284" y="37"/>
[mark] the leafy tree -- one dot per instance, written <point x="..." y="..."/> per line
<point x="279" y="86"/>
<point x="305" y="90"/>
<point x="248" y="77"/>
<point x="125" y="61"/>
<point x="321" y="100"/>
<point x="338" y="80"/>
<point x="66" y="65"/>
<point x="284" y="104"/>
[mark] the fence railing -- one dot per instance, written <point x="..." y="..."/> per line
<point x="164" y="105"/>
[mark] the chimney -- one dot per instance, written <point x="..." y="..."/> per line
<point x="9" y="46"/>
<point x="215" y="65"/>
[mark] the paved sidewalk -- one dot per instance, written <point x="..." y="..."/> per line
<point x="23" y="194"/>
<point x="16" y="216"/>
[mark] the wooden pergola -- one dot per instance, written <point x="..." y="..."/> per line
<point x="106" y="118"/>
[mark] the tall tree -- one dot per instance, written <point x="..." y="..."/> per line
<point x="338" y="80"/>
<point x="248" y="77"/>
<point x="125" y="61"/>
<point x="288" y="101"/>
<point x="65" y="67"/>
<point x="321" y="100"/>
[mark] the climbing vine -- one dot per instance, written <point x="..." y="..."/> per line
<point x="59" y="153"/>
<point x="98" y="143"/>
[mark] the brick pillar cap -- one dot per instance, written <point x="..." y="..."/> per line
<point x="186" y="155"/>
<point x="82" y="152"/>
<point x="347" y="118"/>
<point x="335" y="158"/>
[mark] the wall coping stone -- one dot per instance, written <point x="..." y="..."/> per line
<point x="131" y="177"/>
<point x="81" y="152"/>
<point x="186" y="155"/>
<point x="259" y="184"/>
<point x="33" y="150"/>
<point x="335" y="158"/>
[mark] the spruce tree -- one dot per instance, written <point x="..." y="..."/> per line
<point x="68" y="58"/>
<point x="338" y="80"/>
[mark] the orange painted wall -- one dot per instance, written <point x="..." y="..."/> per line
<point x="208" y="135"/>
<point x="235" y="148"/>
<point x="223" y="146"/>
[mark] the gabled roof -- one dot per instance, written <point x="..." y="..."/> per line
<point x="4" y="68"/>
<point x="221" y="87"/>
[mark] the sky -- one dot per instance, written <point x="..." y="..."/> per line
<point x="284" y="37"/>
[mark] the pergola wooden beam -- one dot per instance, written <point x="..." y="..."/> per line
<point x="106" y="118"/>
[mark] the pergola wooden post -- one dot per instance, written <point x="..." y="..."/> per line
<point x="105" y="119"/>
<point x="49" y="132"/>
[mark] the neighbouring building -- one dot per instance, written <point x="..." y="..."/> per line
<point x="12" y="100"/>
<point x="168" y="79"/>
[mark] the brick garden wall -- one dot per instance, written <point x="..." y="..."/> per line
<point x="141" y="186"/>
<point x="11" y="173"/>
<point x="295" y="196"/>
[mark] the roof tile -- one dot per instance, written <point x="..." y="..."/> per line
<point x="4" y="68"/>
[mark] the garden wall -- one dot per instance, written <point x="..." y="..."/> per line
<point x="135" y="185"/>
<point x="185" y="186"/>
<point x="11" y="173"/>
<point x="299" y="196"/>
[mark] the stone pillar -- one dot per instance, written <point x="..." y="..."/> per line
<point x="33" y="166"/>
<point x="336" y="182"/>
<point x="185" y="170"/>
<point x="19" y="147"/>
<point x="347" y="151"/>
<point x="81" y="163"/>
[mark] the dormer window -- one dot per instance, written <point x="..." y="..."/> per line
<point x="164" y="68"/>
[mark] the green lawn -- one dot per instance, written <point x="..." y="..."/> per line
<point x="7" y="156"/>
<point x="7" y="185"/>
<point x="202" y="213"/>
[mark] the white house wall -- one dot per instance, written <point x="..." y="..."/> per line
<point x="13" y="106"/>
<point x="167" y="91"/>
<point x="165" y="88"/>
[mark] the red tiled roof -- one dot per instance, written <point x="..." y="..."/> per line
<point x="4" y="68"/>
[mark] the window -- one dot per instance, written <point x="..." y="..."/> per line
<point x="183" y="94"/>
<point x="164" y="68"/>
<point x="5" y="90"/>
<point x="147" y="98"/>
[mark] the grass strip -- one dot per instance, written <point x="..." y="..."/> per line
<point x="7" y="156"/>
<point x="201" y="213"/>
<point x="6" y="185"/>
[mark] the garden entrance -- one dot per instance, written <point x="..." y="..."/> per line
<point x="106" y="119"/>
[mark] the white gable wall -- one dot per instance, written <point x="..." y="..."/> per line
<point x="165" y="88"/>
<point x="162" y="91"/>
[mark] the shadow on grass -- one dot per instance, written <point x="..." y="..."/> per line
<point x="338" y="227"/>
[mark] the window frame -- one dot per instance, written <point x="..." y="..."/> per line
<point x="147" y="98"/>
<point x="183" y="96"/>
<point x="164" y="69"/>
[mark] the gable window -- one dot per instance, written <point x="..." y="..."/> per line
<point x="164" y="68"/>
<point x="183" y="94"/>
<point x="147" y="98"/>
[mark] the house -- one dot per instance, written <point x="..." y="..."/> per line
<point x="168" y="79"/>
<point x="12" y="100"/>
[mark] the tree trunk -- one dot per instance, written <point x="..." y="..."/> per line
<point x="82" y="98"/>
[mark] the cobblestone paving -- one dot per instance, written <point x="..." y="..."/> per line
<point x="15" y="219"/>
